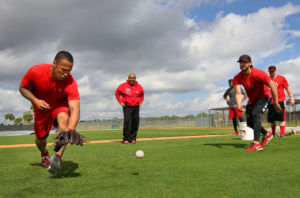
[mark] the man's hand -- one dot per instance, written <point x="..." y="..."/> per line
<point x="67" y="136"/>
<point x="241" y="108"/>
<point x="277" y="107"/>
<point x="123" y="104"/>
<point x="41" y="104"/>
<point x="292" y="101"/>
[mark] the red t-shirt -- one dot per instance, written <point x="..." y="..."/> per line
<point x="281" y="84"/>
<point x="131" y="95"/>
<point x="255" y="84"/>
<point x="43" y="86"/>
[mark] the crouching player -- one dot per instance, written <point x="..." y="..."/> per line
<point x="55" y="98"/>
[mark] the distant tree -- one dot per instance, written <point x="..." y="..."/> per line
<point x="202" y="114"/>
<point x="18" y="121"/>
<point x="27" y="116"/>
<point x="9" y="117"/>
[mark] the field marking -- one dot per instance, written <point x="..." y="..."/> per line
<point x="118" y="140"/>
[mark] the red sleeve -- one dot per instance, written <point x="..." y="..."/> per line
<point x="237" y="80"/>
<point x="118" y="94"/>
<point x="27" y="79"/>
<point x="284" y="82"/>
<point x="72" y="91"/>
<point x="142" y="95"/>
<point x="265" y="78"/>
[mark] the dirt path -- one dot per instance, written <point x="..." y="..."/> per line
<point x="119" y="140"/>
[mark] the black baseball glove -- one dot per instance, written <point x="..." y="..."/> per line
<point x="68" y="136"/>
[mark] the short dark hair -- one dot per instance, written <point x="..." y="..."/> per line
<point x="64" y="55"/>
<point x="230" y="80"/>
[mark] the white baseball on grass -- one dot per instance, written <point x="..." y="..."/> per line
<point x="139" y="154"/>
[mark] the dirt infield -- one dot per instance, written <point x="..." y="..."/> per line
<point x="118" y="140"/>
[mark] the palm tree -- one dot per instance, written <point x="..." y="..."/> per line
<point x="27" y="117"/>
<point x="18" y="121"/>
<point x="9" y="117"/>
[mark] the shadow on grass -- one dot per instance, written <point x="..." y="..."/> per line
<point x="67" y="169"/>
<point x="220" y="145"/>
<point x="38" y="164"/>
<point x="135" y="173"/>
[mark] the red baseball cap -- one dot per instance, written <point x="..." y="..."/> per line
<point x="272" y="68"/>
<point x="244" y="58"/>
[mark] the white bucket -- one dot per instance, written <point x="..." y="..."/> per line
<point x="247" y="133"/>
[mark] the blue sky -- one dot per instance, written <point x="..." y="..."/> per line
<point x="183" y="51"/>
<point x="208" y="12"/>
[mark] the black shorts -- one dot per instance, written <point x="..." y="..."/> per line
<point x="275" y="116"/>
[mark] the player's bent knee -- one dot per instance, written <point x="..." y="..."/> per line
<point x="43" y="137"/>
<point x="62" y="119"/>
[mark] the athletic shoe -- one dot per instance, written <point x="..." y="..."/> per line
<point x="45" y="159"/>
<point x="274" y="134"/>
<point x="282" y="136"/>
<point x="254" y="147"/>
<point x="235" y="133"/>
<point x="266" y="139"/>
<point x="133" y="141"/>
<point x="125" y="142"/>
<point x="55" y="164"/>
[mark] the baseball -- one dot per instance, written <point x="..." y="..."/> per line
<point x="293" y="131"/>
<point x="139" y="154"/>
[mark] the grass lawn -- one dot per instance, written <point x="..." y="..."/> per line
<point x="200" y="167"/>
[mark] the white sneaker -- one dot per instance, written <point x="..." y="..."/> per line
<point x="55" y="164"/>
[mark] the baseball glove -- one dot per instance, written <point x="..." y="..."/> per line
<point x="75" y="138"/>
<point x="68" y="136"/>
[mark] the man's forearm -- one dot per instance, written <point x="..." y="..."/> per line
<point x="274" y="93"/>
<point x="289" y="92"/>
<point x="74" y="119"/>
<point x="27" y="94"/>
<point x="74" y="106"/>
<point x="238" y="95"/>
<point x="238" y="98"/>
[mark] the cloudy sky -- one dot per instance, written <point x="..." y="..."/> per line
<point x="183" y="51"/>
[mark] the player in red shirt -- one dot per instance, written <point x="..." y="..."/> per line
<point x="281" y="84"/>
<point x="256" y="83"/>
<point x="55" y="98"/>
<point x="130" y="95"/>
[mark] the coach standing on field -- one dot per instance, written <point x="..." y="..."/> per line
<point x="130" y="95"/>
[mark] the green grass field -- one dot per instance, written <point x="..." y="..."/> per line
<point x="199" y="167"/>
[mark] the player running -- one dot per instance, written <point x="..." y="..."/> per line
<point x="273" y="116"/>
<point x="256" y="83"/>
<point x="55" y="98"/>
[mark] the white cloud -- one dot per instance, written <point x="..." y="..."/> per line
<point x="169" y="52"/>
<point x="11" y="102"/>
<point x="259" y="33"/>
<point x="290" y="70"/>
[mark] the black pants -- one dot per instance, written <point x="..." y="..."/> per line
<point x="235" y="122"/>
<point x="131" y="122"/>
<point x="253" y="114"/>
